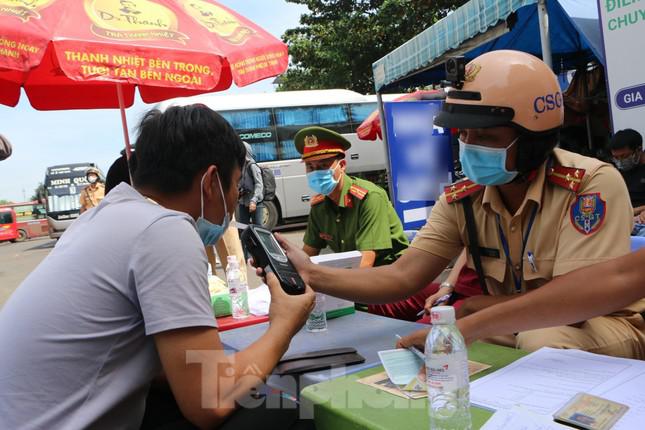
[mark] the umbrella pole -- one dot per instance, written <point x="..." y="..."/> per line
<point x="124" y="121"/>
<point x="124" y="125"/>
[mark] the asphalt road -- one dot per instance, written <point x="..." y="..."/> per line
<point x="17" y="260"/>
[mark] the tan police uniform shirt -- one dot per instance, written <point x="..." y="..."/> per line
<point x="91" y="197"/>
<point x="558" y="242"/>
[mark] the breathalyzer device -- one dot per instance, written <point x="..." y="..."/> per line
<point x="267" y="253"/>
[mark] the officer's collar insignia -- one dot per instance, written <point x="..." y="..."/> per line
<point x="588" y="213"/>
<point x="311" y="141"/>
<point x="461" y="189"/>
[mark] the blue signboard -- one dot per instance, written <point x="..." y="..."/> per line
<point x="421" y="163"/>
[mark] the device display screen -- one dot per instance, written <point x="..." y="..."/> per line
<point x="270" y="243"/>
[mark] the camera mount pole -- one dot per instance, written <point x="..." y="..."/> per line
<point x="545" y="39"/>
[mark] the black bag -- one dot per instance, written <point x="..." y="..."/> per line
<point x="268" y="180"/>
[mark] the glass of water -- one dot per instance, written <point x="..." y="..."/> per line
<point x="317" y="320"/>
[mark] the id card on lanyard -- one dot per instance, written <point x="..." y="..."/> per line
<point x="516" y="279"/>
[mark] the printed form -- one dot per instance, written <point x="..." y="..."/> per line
<point x="545" y="380"/>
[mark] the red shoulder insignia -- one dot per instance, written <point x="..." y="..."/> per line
<point x="461" y="189"/>
<point x="318" y="198"/>
<point x="569" y="178"/>
<point x="358" y="192"/>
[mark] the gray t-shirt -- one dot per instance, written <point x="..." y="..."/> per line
<point x="75" y="337"/>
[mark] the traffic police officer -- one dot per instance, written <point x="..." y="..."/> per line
<point x="535" y="212"/>
<point x="92" y="194"/>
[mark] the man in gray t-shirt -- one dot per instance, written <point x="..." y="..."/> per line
<point x="124" y="295"/>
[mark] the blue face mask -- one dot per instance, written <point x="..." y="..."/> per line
<point x="210" y="233"/>
<point x="485" y="166"/>
<point x="322" y="181"/>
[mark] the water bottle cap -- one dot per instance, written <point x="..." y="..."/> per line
<point x="442" y="315"/>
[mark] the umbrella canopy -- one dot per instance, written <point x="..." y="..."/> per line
<point x="370" y="128"/>
<point x="71" y="54"/>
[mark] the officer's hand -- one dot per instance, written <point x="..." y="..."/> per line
<point x="252" y="207"/>
<point x="640" y="218"/>
<point x="297" y="256"/>
<point x="416" y="339"/>
<point x="288" y="313"/>
<point x="432" y="300"/>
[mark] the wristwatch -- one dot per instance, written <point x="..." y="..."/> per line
<point x="447" y="284"/>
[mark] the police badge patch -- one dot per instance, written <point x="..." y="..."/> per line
<point x="588" y="213"/>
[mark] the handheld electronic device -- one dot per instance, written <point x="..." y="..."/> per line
<point x="267" y="253"/>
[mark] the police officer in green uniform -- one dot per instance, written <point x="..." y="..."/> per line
<point x="349" y="214"/>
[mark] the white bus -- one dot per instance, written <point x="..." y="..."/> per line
<point x="269" y="122"/>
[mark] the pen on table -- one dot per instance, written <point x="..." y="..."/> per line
<point x="531" y="259"/>
<point x="413" y="349"/>
<point x="443" y="299"/>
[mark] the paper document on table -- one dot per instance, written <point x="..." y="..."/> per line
<point x="631" y="393"/>
<point x="520" y="419"/>
<point x="401" y="365"/>
<point x="547" y="379"/>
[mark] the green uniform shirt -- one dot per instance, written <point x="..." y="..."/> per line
<point x="364" y="224"/>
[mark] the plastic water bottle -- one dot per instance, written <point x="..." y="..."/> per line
<point x="447" y="373"/>
<point x="237" y="288"/>
<point x="317" y="320"/>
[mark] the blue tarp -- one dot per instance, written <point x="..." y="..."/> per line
<point x="574" y="26"/>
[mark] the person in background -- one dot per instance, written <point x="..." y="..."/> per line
<point x="250" y="207"/>
<point x="93" y="193"/>
<point x="626" y="148"/>
<point x="82" y="342"/>
<point x="5" y="148"/>
<point x="119" y="172"/>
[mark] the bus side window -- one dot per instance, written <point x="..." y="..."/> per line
<point x="255" y="126"/>
<point x="360" y="112"/>
<point x="290" y="120"/>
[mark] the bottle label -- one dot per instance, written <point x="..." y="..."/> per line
<point x="447" y="373"/>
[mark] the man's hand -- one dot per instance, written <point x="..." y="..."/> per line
<point x="430" y="301"/>
<point x="252" y="207"/>
<point x="297" y="256"/>
<point x="288" y="313"/>
<point x="416" y="339"/>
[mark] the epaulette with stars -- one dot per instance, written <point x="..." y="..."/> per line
<point x="461" y="189"/>
<point x="358" y="192"/>
<point x="569" y="178"/>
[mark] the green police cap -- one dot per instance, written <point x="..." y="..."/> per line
<point x="317" y="143"/>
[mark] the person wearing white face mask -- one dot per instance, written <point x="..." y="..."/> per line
<point x="123" y="300"/>
<point x="527" y="213"/>
<point x="93" y="193"/>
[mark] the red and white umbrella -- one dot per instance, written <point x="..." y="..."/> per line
<point x="84" y="54"/>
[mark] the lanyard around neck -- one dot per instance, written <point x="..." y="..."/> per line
<point x="502" y="237"/>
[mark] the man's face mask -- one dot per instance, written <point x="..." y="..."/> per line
<point x="322" y="181"/>
<point x="209" y="232"/>
<point x="92" y="179"/>
<point x="628" y="163"/>
<point x="484" y="165"/>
